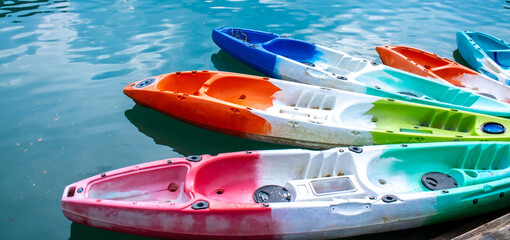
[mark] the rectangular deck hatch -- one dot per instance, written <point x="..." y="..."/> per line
<point x="333" y="185"/>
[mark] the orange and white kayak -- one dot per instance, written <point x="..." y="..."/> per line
<point x="304" y="115"/>
<point x="430" y="65"/>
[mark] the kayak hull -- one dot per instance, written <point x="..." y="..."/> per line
<point x="303" y="115"/>
<point x="430" y="65"/>
<point x="320" y="194"/>
<point x="485" y="54"/>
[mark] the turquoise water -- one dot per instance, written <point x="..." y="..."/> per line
<point x="63" y="65"/>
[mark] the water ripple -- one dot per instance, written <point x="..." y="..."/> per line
<point x="20" y="9"/>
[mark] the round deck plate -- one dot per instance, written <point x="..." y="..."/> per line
<point x="271" y="193"/>
<point x="438" y="181"/>
<point x="493" y="128"/>
<point x="145" y="83"/>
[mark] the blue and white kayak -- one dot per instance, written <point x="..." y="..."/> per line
<point x="282" y="57"/>
<point x="486" y="54"/>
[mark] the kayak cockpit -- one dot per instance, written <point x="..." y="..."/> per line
<point x="230" y="179"/>
<point x="496" y="49"/>
<point x="279" y="177"/>
<point x="401" y="171"/>
<point x="426" y="60"/>
<point x="253" y="92"/>
<point x="185" y="82"/>
<point x="162" y="184"/>
<point x="249" y="36"/>
<point x="488" y="43"/>
<point x="454" y="73"/>
<point x="296" y="50"/>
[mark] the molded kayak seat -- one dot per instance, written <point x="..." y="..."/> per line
<point x="326" y="194"/>
<point x="501" y="57"/>
<point x="294" y="49"/>
<point x="309" y="116"/>
<point x="300" y="61"/>
<point x="467" y="177"/>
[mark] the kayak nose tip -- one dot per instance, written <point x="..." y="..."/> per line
<point x="129" y="88"/>
<point x="131" y="85"/>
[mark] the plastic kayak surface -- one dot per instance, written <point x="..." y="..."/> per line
<point x="300" y="61"/>
<point x="486" y="54"/>
<point x="427" y="64"/>
<point x="296" y="194"/>
<point x="304" y="115"/>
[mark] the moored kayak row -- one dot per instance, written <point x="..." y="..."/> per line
<point x="439" y="130"/>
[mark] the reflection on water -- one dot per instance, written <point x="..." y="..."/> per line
<point x="187" y="139"/>
<point x="224" y="62"/>
<point x="82" y="232"/>
<point x="458" y="58"/>
<point x="445" y="231"/>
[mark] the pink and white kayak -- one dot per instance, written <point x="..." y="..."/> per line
<point x="296" y="194"/>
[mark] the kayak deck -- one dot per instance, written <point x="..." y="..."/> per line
<point x="150" y="185"/>
<point x="233" y="178"/>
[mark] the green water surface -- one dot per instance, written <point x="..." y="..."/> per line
<point x="63" y="65"/>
